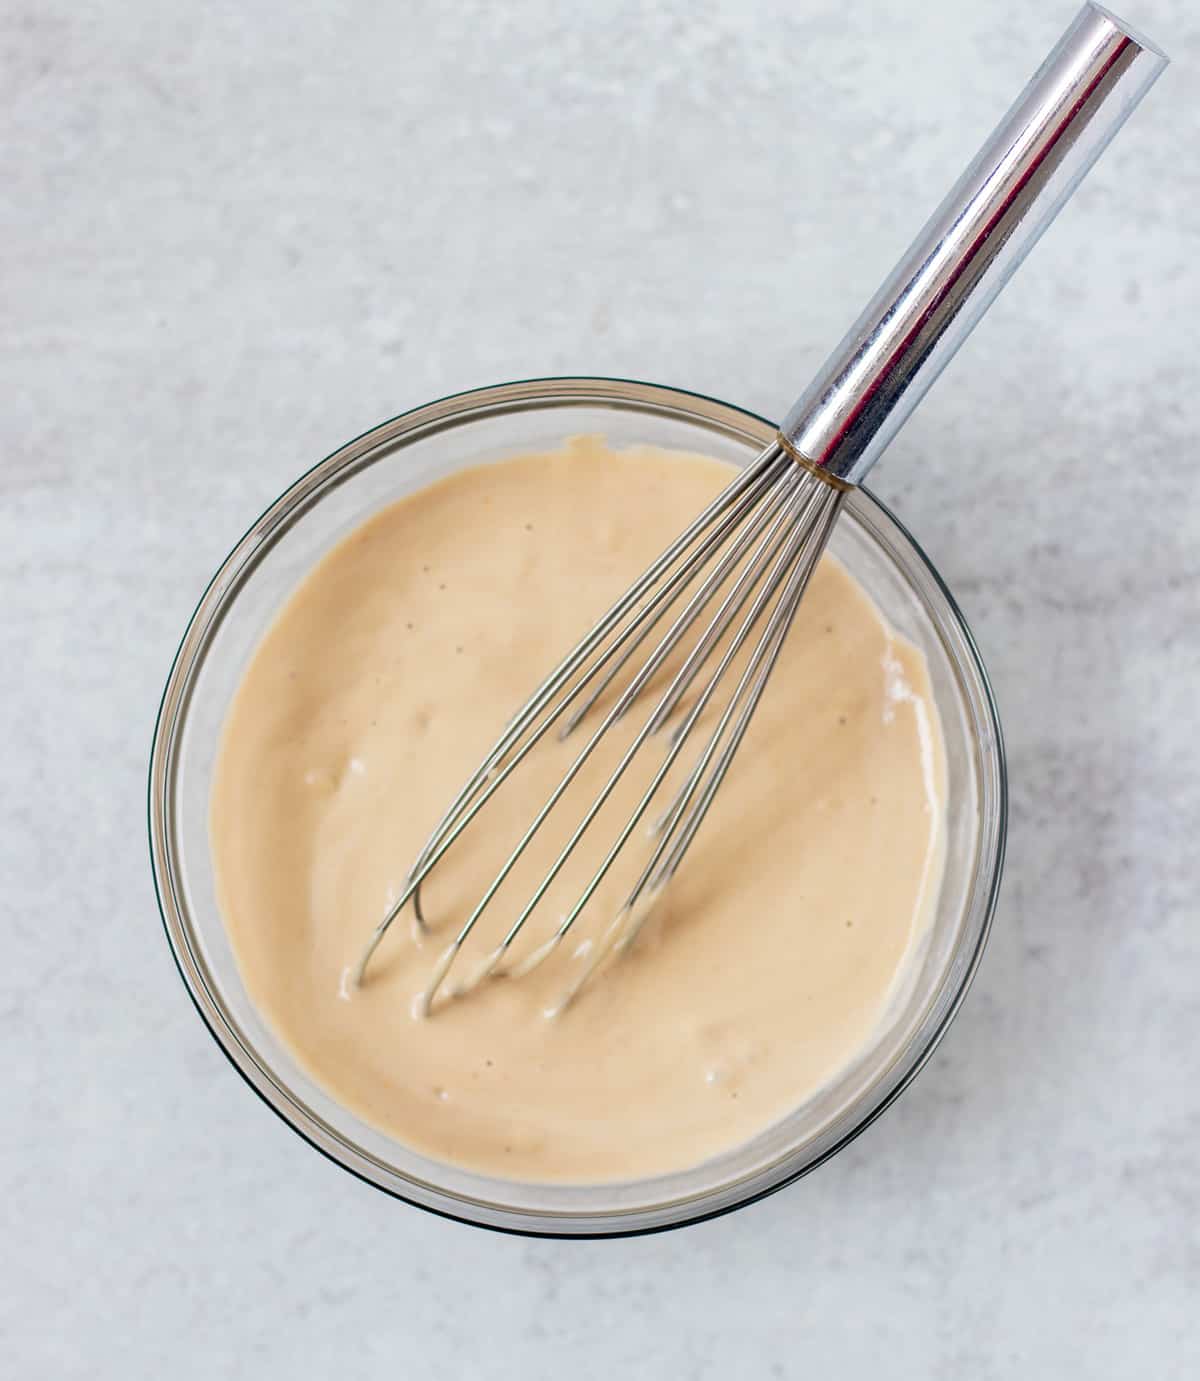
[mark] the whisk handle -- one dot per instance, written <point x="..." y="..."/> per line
<point x="994" y="214"/>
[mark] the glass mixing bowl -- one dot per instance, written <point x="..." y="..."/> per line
<point x="255" y="581"/>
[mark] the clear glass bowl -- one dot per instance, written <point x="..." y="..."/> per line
<point x="254" y="582"/>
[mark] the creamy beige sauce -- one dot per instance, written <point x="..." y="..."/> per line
<point x="769" y="961"/>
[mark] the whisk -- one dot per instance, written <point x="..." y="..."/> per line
<point x="732" y="582"/>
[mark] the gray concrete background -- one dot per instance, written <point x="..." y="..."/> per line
<point x="235" y="234"/>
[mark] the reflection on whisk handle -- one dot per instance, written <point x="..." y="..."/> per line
<point x="992" y="217"/>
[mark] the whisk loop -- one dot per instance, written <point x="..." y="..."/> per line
<point x="744" y="560"/>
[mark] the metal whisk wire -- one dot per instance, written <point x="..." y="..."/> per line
<point x="749" y="540"/>
<point x="726" y="511"/>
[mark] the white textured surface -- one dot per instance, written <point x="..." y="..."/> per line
<point x="236" y="234"/>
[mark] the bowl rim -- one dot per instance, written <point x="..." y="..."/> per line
<point x="456" y="408"/>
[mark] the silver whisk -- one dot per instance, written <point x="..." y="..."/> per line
<point x="740" y="570"/>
